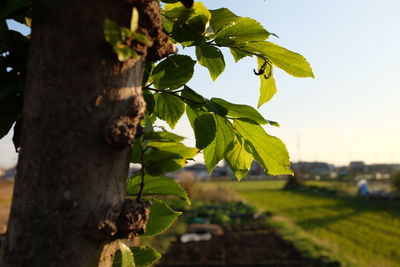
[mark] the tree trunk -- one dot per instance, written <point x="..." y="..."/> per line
<point x="81" y="110"/>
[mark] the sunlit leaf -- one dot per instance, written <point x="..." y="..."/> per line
<point x="145" y="256"/>
<point x="126" y="255"/>
<point x="169" y="108"/>
<point x="221" y="17"/>
<point x="134" y="19"/>
<point x="211" y="58"/>
<point x="173" y="72"/>
<point x="267" y="85"/>
<point x="239" y="158"/>
<point x="196" y="17"/>
<point x="242" y="30"/>
<point x="239" y="111"/>
<point x="291" y="62"/>
<point x="268" y="150"/>
<point x="215" y="151"/>
<point x="161" y="217"/>
<point x="238" y="54"/>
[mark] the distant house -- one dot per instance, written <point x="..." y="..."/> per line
<point x="357" y="167"/>
<point x="314" y="168"/>
<point x="199" y="169"/>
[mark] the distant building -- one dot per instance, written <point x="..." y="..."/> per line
<point x="357" y="167"/>
<point x="314" y="168"/>
<point x="199" y="169"/>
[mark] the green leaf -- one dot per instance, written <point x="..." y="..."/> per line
<point x="169" y="108"/>
<point x="124" y="52"/>
<point x="162" y="156"/>
<point x="126" y="255"/>
<point x="145" y="256"/>
<point x="142" y="256"/>
<point x="156" y="185"/>
<point x="161" y="167"/>
<point x="291" y="62"/>
<point x="239" y="158"/>
<point x="167" y="24"/>
<point x="115" y="34"/>
<point x="163" y="136"/>
<point x="221" y="17"/>
<point x="136" y="152"/>
<point x="195" y="100"/>
<point x="196" y="17"/>
<point x="268" y="150"/>
<point x="141" y="38"/>
<point x="150" y="101"/>
<point x="185" y="35"/>
<point x="267" y="84"/>
<point x="242" y="30"/>
<point x="239" y="111"/>
<point x="273" y="123"/>
<point x="161" y="217"/>
<point x="211" y="58"/>
<point x="215" y="151"/>
<point x="204" y="130"/>
<point x="175" y="150"/>
<point x="239" y="54"/>
<point x="173" y="72"/>
<point x="134" y="19"/>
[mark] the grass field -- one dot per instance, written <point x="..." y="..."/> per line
<point x="354" y="231"/>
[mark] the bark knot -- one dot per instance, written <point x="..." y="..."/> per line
<point x="133" y="219"/>
<point x="150" y="24"/>
<point x="122" y="131"/>
<point x="131" y="222"/>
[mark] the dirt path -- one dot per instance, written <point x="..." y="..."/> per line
<point x="5" y="203"/>
<point x="248" y="245"/>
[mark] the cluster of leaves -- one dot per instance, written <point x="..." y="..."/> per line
<point x="223" y="130"/>
<point x="122" y="39"/>
<point x="13" y="59"/>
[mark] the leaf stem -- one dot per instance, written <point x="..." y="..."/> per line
<point x="142" y="173"/>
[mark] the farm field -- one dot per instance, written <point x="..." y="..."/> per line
<point x="355" y="231"/>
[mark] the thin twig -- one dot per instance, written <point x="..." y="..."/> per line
<point x="174" y="93"/>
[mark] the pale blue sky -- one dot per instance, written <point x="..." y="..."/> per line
<point x="350" y="110"/>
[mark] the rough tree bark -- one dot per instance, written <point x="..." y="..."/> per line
<point x="81" y="110"/>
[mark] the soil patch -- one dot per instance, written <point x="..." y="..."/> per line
<point x="253" y="244"/>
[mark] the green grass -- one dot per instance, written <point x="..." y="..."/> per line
<point x="355" y="231"/>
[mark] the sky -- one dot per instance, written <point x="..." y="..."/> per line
<point x="349" y="111"/>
